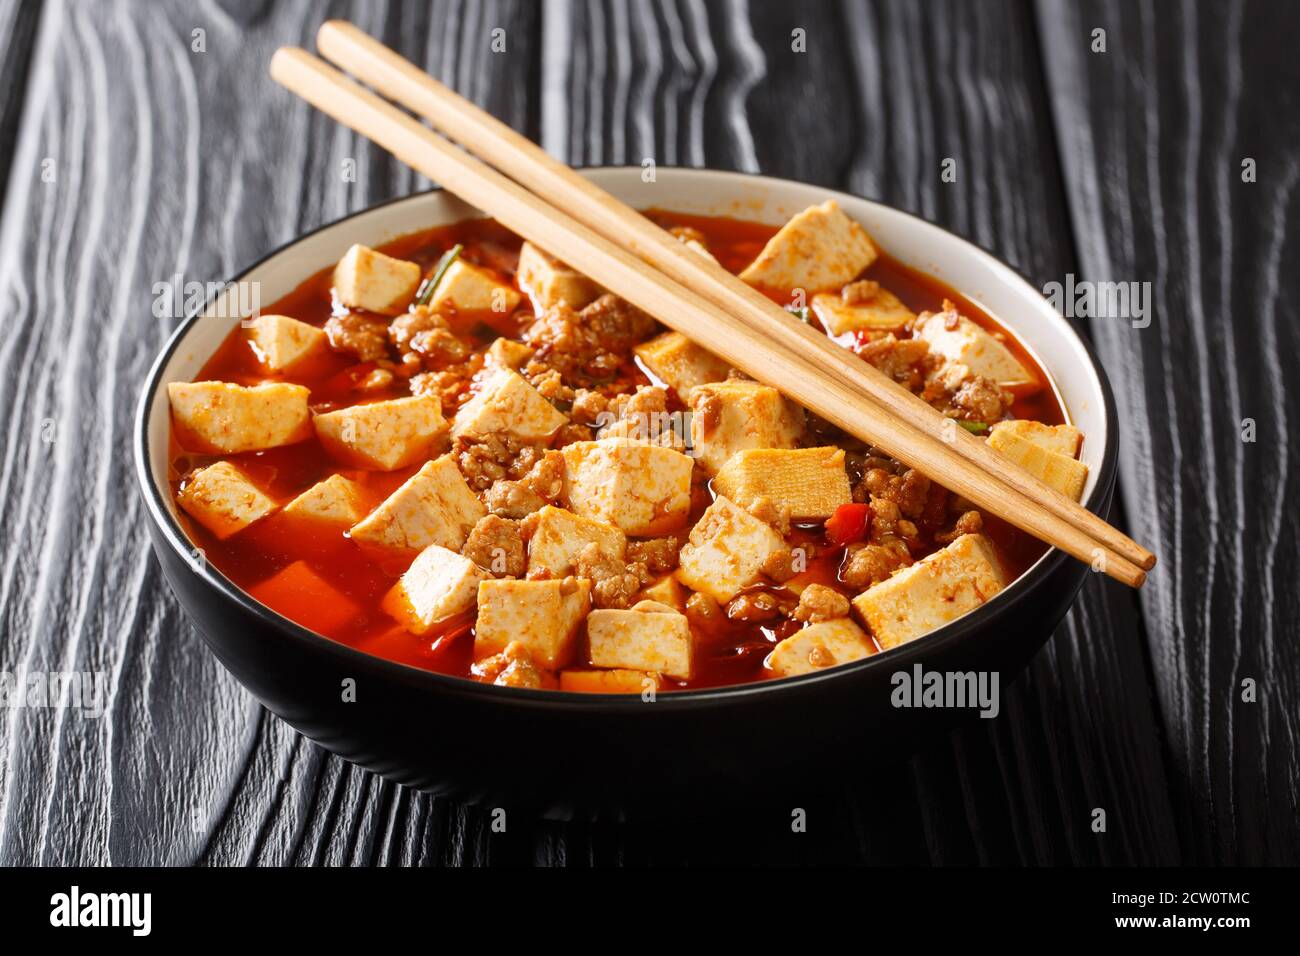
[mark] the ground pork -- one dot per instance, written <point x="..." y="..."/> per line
<point x="820" y="603"/>
<point x="496" y="545"/>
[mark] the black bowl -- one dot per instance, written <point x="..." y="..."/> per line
<point x="567" y="755"/>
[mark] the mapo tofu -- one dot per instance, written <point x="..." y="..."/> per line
<point x="457" y="452"/>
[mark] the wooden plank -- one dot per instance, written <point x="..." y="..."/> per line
<point x="196" y="164"/>
<point x="1154" y="132"/>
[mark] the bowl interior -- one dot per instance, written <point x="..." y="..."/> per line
<point x="998" y="289"/>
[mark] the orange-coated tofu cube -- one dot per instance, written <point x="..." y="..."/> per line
<point x="384" y="436"/>
<point x="302" y="595"/>
<point x="811" y="482"/>
<point x="667" y="591"/>
<point x="547" y="281"/>
<point x="465" y="287"/>
<point x="542" y="615"/>
<point x="336" y="501"/>
<point x="959" y="340"/>
<point x="819" y="249"/>
<point x="438" y="584"/>
<point x="369" y="280"/>
<point x="618" y="681"/>
<point x="221" y="418"/>
<point x="640" y="489"/>
<point x="280" y="342"/>
<point x="434" y="506"/>
<point x="873" y="309"/>
<point x="506" y="404"/>
<point x="938" y="589"/>
<point x="726" y="551"/>
<point x="1058" y="439"/>
<point x="680" y="364"/>
<point x="819" y="646"/>
<point x="509" y="354"/>
<point x="649" y="640"/>
<point x="556" y="536"/>
<point x="222" y="499"/>
<point x="731" y="416"/>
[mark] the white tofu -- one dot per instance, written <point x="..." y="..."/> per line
<point x="509" y="354"/>
<point x="726" y="551"/>
<point x="1061" y="472"/>
<point x="881" y="311"/>
<point x="731" y="416"/>
<point x="223" y="418"/>
<point x="960" y="340"/>
<point x="438" y="584"/>
<point x="542" y="615"/>
<point x="819" y="249"/>
<point x="933" y="592"/>
<point x="434" y="506"/>
<point x="506" y="404"/>
<point x="811" y="482"/>
<point x="640" y="489"/>
<point x="280" y="342"/>
<point x="818" y="646"/>
<point x="679" y="363"/>
<point x="384" y="436"/>
<point x="369" y="280"/>
<point x="222" y="499"/>
<point x="547" y="281"/>
<point x="648" y="640"/>
<point x="558" y="535"/>
<point x="336" y="501"/>
<point x="1058" y="439"/>
<point x="469" y="288"/>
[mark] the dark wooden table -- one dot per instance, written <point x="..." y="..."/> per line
<point x="140" y="139"/>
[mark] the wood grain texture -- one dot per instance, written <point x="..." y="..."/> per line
<point x="1157" y="195"/>
<point x="169" y="160"/>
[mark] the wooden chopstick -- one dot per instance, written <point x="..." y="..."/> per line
<point x="675" y="305"/>
<point x="496" y="143"/>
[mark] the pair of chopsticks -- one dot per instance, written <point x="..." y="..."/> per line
<point x="620" y="249"/>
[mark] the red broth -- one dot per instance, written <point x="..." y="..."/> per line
<point x="283" y="570"/>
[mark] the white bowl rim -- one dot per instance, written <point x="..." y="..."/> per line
<point x="1100" y="485"/>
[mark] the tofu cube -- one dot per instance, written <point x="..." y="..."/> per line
<point x="547" y="281"/>
<point x="679" y="363"/>
<point x="438" y="584"/>
<point x="280" y="342"/>
<point x="434" y="506"/>
<point x="369" y="280"/>
<point x="384" y="436"/>
<point x="648" y="640"/>
<point x="731" y="416"/>
<point x="334" y="502"/>
<point x="726" y="551"/>
<point x="811" y="482"/>
<point x="509" y="354"/>
<point x="936" y="590"/>
<point x="818" y="646"/>
<point x="619" y="681"/>
<point x="667" y="591"/>
<point x="558" y="535"/>
<point x="640" y="489"/>
<point x="221" y="418"/>
<point x="542" y="615"/>
<point x="958" y="339"/>
<point x="302" y="595"/>
<point x="222" y="499"/>
<point x="1058" y="439"/>
<point x="1057" y="471"/>
<point x="873" y="309"/>
<point x="817" y="250"/>
<point x="469" y="288"/>
<point x="506" y="404"/>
